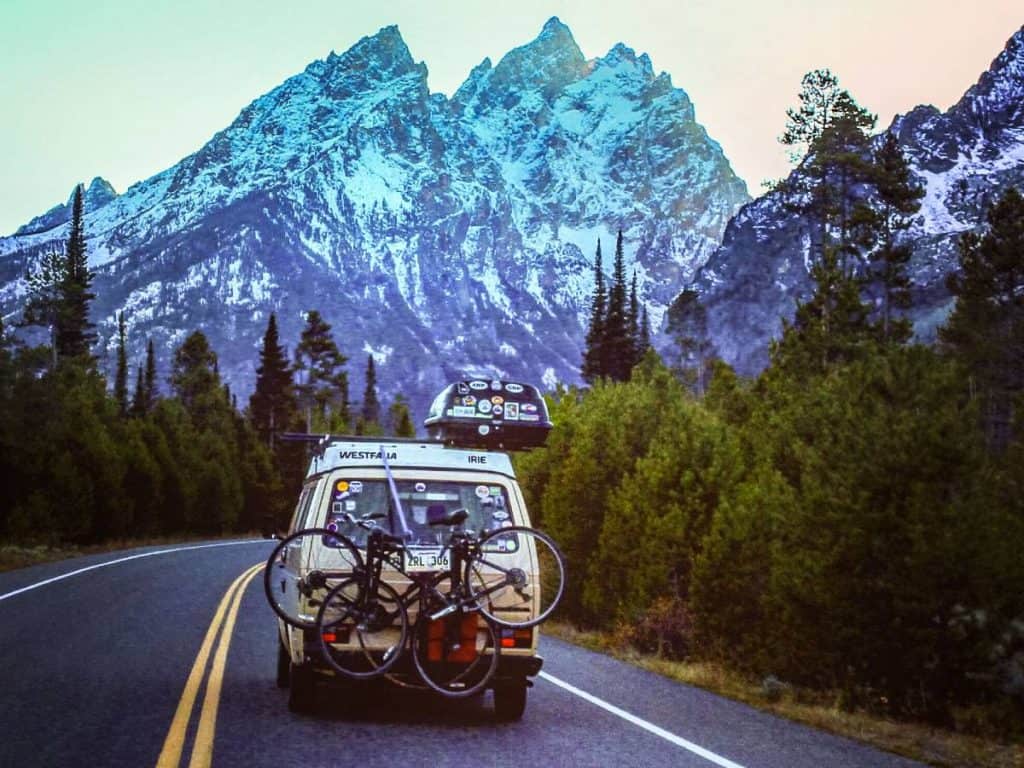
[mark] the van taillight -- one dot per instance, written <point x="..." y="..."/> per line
<point x="336" y="635"/>
<point x="516" y="638"/>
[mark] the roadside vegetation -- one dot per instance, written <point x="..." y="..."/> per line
<point x="962" y="747"/>
<point x="850" y="523"/>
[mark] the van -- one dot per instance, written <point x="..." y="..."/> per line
<point x="351" y="479"/>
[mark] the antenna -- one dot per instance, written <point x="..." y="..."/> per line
<point x="397" y="502"/>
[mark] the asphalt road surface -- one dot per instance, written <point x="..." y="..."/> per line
<point x="156" y="661"/>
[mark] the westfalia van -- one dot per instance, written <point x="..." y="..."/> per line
<point x="348" y="480"/>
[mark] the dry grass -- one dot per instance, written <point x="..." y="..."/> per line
<point x="917" y="741"/>
<point x="14" y="556"/>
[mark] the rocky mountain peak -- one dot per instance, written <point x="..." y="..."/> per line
<point x="548" y="63"/>
<point x="97" y="194"/>
<point x="997" y="99"/>
<point x="373" y="60"/>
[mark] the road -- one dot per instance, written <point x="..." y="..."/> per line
<point x="99" y="667"/>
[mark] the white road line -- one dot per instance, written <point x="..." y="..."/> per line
<point x="651" y="727"/>
<point x="124" y="560"/>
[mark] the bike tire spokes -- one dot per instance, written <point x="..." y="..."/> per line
<point x="457" y="655"/>
<point x="362" y="634"/>
<point x="516" y="576"/>
<point x="303" y="568"/>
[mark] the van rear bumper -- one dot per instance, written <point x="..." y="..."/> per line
<point x="511" y="667"/>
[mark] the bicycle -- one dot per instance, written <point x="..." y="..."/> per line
<point x="453" y="651"/>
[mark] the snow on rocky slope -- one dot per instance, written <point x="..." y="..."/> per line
<point x="443" y="236"/>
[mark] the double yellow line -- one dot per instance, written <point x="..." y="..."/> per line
<point x="202" y="749"/>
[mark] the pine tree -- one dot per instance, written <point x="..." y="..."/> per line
<point x="138" y="407"/>
<point x="272" y="406"/>
<point x="74" y="330"/>
<point x="401" y="418"/>
<point x="323" y="382"/>
<point x="645" y="332"/>
<point x="617" y="345"/>
<point x="819" y="90"/>
<point x="898" y="200"/>
<point x="633" y="323"/>
<point x="43" y="303"/>
<point x="986" y="328"/>
<point x="593" y="355"/>
<point x="149" y="382"/>
<point x="828" y="189"/>
<point x="370" y="411"/>
<point x="195" y="377"/>
<point x="121" y="376"/>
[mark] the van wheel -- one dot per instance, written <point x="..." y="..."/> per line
<point x="510" y="701"/>
<point x="283" y="662"/>
<point x="301" y="689"/>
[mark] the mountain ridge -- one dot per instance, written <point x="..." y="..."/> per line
<point x="445" y="236"/>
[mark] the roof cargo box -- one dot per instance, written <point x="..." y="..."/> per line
<point x="479" y="413"/>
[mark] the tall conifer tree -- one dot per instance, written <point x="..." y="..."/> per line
<point x="986" y="328"/>
<point x="618" y="344"/>
<point x="43" y="302"/>
<point x="593" y="354"/>
<point x="272" y="406"/>
<point x="898" y="200"/>
<point x="633" y="323"/>
<point x="121" y="375"/>
<point x="74" y="330"/>
<point x="138" y="407"/>
<point x="149" y="382"/>
<point x="370" y="411"/>
<point x="323" y="382"/>
<point x="827" y="188"/>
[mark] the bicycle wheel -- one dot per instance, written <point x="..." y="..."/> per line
<point x="302" y="569"/>
<point x="362" y="635"/>
<point x="456" y="655"/>
<point x="516" y="576"/>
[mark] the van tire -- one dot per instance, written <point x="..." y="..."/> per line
<point x="510" y="701"/>
<point x="283" y="663"/>
<point x="301" y="689"/>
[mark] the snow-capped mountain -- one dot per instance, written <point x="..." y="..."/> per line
<point x="964" y="158"/>
<point x="443" y="236"/>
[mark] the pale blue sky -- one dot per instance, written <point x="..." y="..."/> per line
<point x="123" y="89"/>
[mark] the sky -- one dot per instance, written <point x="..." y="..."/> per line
<point x="123" y="89"/>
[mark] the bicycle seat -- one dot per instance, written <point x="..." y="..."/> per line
<point x="438" y="515"/>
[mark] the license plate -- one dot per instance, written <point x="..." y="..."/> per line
<point x="426" y="560"/>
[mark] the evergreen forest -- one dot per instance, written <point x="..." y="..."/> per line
<point x="852" y="520"/>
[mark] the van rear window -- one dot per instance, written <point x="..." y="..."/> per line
<point x="486" y="503"/>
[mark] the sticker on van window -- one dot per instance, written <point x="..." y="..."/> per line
<point x="512" y="411"/>
<point x="482" y="491"/>
<point x="478" y="384"/>
<point x="356" y="486"/>
<point x="514" y="388"/>
<point x="420" y="487"/>
<point x="350" y="506"/>
<point x="341" y="486"/>
<point x="499" y="515"/>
